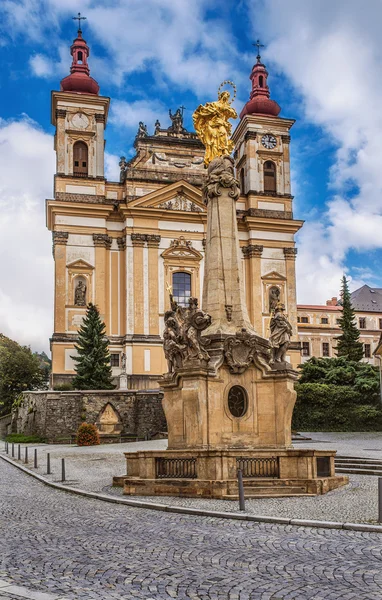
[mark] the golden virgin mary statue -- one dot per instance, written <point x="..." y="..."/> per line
<point x="212" y="126"/>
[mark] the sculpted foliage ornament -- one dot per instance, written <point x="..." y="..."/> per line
<point x="182" y="341"/>
<point x="221" y="174"/>
<point x="212" y="125"/>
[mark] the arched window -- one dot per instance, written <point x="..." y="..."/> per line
<point x="80" y="159"/>
<point x="79" y="58"/>
<point x="181" y="287"/>
<point x="242" y="181"/>
<point x="261" y="81"/>
<point x="269" y="176"/>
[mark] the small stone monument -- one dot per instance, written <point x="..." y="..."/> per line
<point x="123" y="375"/>
<point x="229" y="393"/>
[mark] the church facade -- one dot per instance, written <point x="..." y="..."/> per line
<point x="123" y="245"/>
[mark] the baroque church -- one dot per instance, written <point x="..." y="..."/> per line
<point x="123" y="245"/>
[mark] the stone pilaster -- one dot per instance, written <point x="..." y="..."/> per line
<point x="252" y="254"/>
<point x="290" y="267"/>
<point x="102" y="243"/>
<point x="153" y="242"/>
<point x="60" y="240"/>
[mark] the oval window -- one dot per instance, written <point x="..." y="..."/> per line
<point x="237" y="401"/>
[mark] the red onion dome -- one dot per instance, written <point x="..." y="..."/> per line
<point x="259" y="102"/>
<point x="79" y="80"/>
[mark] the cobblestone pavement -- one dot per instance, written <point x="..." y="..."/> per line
<point x="92" y="469"/>
<point x="80" y="548"/>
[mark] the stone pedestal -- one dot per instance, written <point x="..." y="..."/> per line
<point x="227" y="405"/>
<point x="123" y="381"/>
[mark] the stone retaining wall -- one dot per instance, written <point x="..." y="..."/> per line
<point x="5" y="425"/>
<point x="57" y="415"/>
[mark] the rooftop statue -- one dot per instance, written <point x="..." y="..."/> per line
<point x="212" y="125"/>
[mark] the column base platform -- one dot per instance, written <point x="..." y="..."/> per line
<point x="266" y="472"/>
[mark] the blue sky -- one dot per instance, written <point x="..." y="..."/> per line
<point x="325" y="71"/>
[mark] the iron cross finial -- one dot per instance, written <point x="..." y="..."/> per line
<point x="183" y="108"/>
<point x="259" y="45"/>
<point x="79" y="19"/>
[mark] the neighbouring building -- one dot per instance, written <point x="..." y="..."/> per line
<point x="123" y="244"/>
<point x="318" y="325"/>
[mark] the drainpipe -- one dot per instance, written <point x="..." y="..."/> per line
<point x="380" y="377"/>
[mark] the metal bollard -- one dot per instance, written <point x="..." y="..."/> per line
<point x="62" y="469"/>
<point x="6" y="447"/>
<point x="13" y="450"/>
<point x="19" y="452"/>
<point x="26" y="455"/>
<point x="35" y="458"/>
<point x="48" y="471"/>
<point x="380" y="499"/>
<point x="241" y="489"/>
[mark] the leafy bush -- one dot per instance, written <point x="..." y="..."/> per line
<point x="63" y="387"/>
<point x="335" y="394"/>
<point x="87" y="435"/>
<point x="20" y="438"/>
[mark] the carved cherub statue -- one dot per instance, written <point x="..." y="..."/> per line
<point x="281" y="331"/>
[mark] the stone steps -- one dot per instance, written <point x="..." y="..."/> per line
<point x="356" y="465"/>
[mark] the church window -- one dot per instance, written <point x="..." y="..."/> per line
<point x="237" y="401"/>
<point x="269" y="176"/>
<point x="304" y="319"/>
<point x="181" y="287"/>
<point x="380" y="323"/>
<point x="324" y="320"/>
<point x="362" y="322"/>
<point x="367" y="349"/>
<point x="325" y="349"/>
<point x="114" y="360"/>
<point x="261" y="81"/>
<point x="80" y="159"/>
<point x="305" y="348"/>
<point x="79" y="58"/>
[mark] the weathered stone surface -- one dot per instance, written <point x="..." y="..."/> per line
<point x="55" y="415"/>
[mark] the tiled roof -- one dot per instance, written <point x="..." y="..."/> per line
<point x="365" y="299"/>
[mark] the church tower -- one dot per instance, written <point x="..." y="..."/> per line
<point x="267" y="226"/>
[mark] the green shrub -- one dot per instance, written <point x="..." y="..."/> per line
<point x="63" y="387"/>
<point x="20" y="438"/>
<point x="87" y="435"/>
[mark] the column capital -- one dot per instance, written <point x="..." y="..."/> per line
<point x="102" y="240"/>
<point x="285" y="139"/>
<point x="121" y="241"/>
<point x="153" y="240"/>
<point x="100" y="118"/>
<point x="60" y="237"/>
<point x="138" y="239"/>
<point x="251" y="251"/>
<point x="290" y="253"/>
<point x="60" y="113"/>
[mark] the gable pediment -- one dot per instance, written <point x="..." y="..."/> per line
<point x="273" y="275"/>
<point x="80" y="264"/>
<point x="182" y="248"/>
<point x="179" y="196"/>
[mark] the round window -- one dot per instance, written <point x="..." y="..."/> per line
<point x="237" y="401"/>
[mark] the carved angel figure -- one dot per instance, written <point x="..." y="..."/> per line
<point x="172" y="342"/>
<point x="213" y="128"/>
<point x="281" y="331"/>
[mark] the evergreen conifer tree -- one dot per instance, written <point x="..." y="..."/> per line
<point x="93" y="370"/>
<point x="348" y="344"/>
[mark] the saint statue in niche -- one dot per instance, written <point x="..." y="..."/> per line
<point x="80" y="294"/>
<point x="274" y="298"/>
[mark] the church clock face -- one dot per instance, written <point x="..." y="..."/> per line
<point x="269" y="141"/>
<point x="80" y="121"/>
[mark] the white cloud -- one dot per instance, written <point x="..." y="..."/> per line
<point x="128" y="114"/>
<point x="27" y="166"/>
<point x="112" y="169"/>
<point x="331" y="53"/>
<point x="41" y="65"/>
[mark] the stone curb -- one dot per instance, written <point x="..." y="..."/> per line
<point x="198" y="511"/>
<point x="23" y="592"/>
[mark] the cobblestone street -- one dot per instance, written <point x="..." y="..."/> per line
<point x="79" y="548"/>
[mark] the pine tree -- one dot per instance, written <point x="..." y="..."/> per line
<point x="93" y="370"/>
<point x="348" y="344"/>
